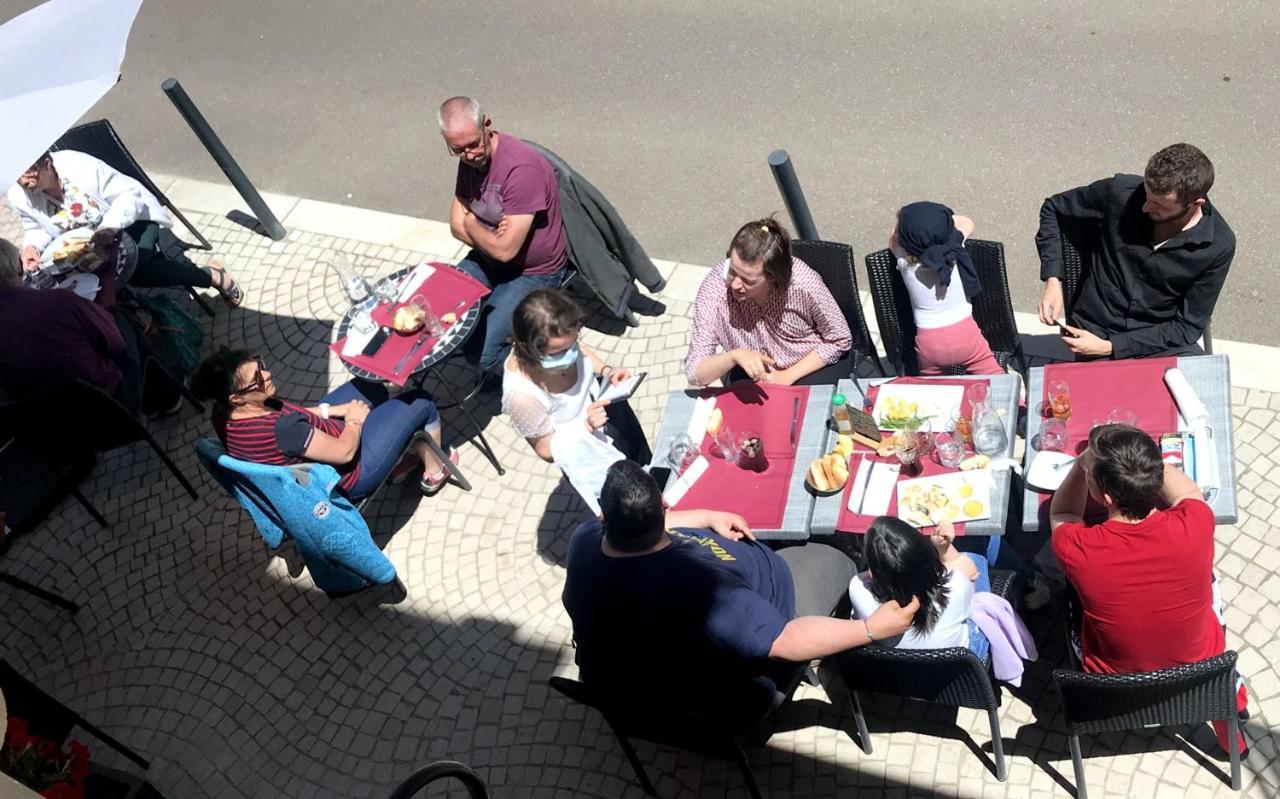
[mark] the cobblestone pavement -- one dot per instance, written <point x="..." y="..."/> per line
<point x="227" y="668"/>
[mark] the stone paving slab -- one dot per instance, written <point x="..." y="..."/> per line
<point x="226" y="667"/>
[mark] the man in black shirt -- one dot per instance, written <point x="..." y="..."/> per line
<point x="1161" y="256"/>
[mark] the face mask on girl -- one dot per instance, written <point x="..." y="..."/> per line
<point x="562" y="361"/>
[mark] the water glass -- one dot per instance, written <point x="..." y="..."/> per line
<point x="951" y="450"/>
<point x="386" y="291"/>
<point x="1060" y="399"/>
<point x="726" y="444"/>
<point x="977" y="393"/>
<point x="1123" y="416"/>
<point x="430" y="322"/>
<point x="1053" y="436"/>
<point x="682" y="453"/>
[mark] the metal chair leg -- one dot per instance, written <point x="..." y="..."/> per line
<point x="481" y="441"/>
<point x="204" y="305"/>
<point x="454" y="471"/>
<point x="1077" y="761"/>
<point x="1233" y="732"/>
<point x="636" y="765"/>
<point x="36" y="591"/>
<point x="997" y="746"/>
<point x="863" y="735"/>
<point x="173" y="467"/>
<point x="88" y="506"/>
<point x="740" y="758"/>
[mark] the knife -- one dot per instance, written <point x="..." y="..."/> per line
<point x="405" y="358"/>
<point x="865" y="486"/>
<point x="795" y="416"/>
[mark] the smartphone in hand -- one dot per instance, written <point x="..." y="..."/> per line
<point x="1063" y="331"/>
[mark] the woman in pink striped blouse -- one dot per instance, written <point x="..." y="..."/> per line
<point x="762" y="315"/>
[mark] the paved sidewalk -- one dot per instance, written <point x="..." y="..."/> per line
<point x="229" y="670"/>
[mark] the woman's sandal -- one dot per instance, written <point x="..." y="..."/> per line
<point x="224" y="284"/>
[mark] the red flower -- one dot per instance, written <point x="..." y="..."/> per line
<point x="77" y="209"/>
<point x="18" y="737"/>
<point x="79" y="761"/>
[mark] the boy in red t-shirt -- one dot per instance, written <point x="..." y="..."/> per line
<point x="1145" y="575"/>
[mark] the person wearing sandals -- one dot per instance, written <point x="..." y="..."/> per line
<point x="65" y="190"/>
<point x="358" y="428"/>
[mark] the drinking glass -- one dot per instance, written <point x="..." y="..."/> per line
<point x="726" y="444"/>
<point x="923" y="429"/>
<point x="1123" y="416"/>
<point x="682" y="453"/>
<point x="989" y="437"/>
<point x="978" y="392"/>
<point x="962" y="424"/>
<point x="1060" y="399"/>
<point x="751" y="451"/>
<point x="906" y="448"/>
<point x="951" y="450"/>
<point x="386" y="291"/>
<point x="1053" y="435"/>
<point x="430" y="322"/>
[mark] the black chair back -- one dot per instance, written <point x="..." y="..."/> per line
<point x="1189" y="694"/>
<point x="992" y="309"/>
<point x="99" y="139"/>
<point x="833" y="261"/>
<point x="1079" y="240"/>
<point x="952" y="676"/>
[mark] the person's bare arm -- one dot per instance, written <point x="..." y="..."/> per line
<point x="721" y="522"/>
<point x="1177" y="486"/>
<point x="965" y="225"/>
<point x="542" y="446"/>
<point x="1069" y="501"/>
<point x="796" y="371"/>
<point x="808" y="637"/>
<point x="502" y="244"/>
<point x="944" y="536"/>
<point x="325" y="448"/>
<point x="457" y="213"/>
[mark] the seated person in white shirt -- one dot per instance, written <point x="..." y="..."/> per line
<point x="902" y="563"/>
<point x="65" y="190"/>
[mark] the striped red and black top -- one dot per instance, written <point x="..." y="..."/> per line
<point x="280" y="438"/>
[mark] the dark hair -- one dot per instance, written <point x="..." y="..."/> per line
<point x="10" y="263"/>
<point x="1126" y="464"/>
<point x="1180" y="168"/>
<point x="541" y="315"/>
<point x="904" y="563"/>
<point x="215" y="379"/>
<point x="766" y="242"/>
<point x="631" y="504"/>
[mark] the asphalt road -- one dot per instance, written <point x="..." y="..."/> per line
<point x="672" y="107"/>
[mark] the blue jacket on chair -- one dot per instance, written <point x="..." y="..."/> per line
<point x="300" y="501"/>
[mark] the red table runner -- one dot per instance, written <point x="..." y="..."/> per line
<point x="761" y="497"/>
<point x="1099" y="387"/>
<point x="850" y="522"/>
<point x="444" y="290"/>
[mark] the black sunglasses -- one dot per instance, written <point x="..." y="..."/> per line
<point x="257" y="383"/>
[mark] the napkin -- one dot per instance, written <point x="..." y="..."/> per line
<point x="859" y="486"/>
<point x="880" y="487"/>
<point x="1196" y="419"/>
<point x="1190" y="408"/>
<point x="682" y="483"/>
<point x="415" y="280"/>
<point x="702" y="408"/>
<point x="357" y="340"/>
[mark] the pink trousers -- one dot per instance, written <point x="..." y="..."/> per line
<point x="939" y="348"/>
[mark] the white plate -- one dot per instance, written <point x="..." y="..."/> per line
<point x="950" y="484"/>
<point x="933" y="401"/>
<point x="1044" y="475"/>
<point x="84" y="284"/>
<point x="46" y="257"/>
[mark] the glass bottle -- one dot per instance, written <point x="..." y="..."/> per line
<point x="840" y="414"/>
<point x="356" y="287"/>
<point x="989" y="437"/>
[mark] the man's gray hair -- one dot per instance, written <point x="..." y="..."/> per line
<point x="456" y="109"/>
<point x="10" y="263"/>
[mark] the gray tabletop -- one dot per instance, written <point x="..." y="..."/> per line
<point x="795" y="520"/>
<point x="1210" y="376"/>
<point x="1003" y="397"/>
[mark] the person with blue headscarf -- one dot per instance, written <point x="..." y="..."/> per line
<point x="929" y="244"/>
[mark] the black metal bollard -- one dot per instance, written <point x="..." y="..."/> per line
<point x="785" y="175"/>
<point x="200" y="126"/>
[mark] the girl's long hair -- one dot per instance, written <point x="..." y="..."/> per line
<point x="904" y="564"/>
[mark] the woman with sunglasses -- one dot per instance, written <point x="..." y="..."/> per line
<point x="547" y="387"/>
<point x="359" y="429"/>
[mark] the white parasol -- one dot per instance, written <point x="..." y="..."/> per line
<point x="56" y="61"/>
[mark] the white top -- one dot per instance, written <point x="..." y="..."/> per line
<point x="933" y="304"/>
<point x="533" y="411"/>
<point x="950" y="629"/>
<point x="94" y="196"/>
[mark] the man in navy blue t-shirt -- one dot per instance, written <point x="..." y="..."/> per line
<point x="687" y="613"/>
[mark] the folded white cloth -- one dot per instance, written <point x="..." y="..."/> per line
<point x="357" y="340"/>
<point x="415" y="280"/>
<point x="678" y="486"/>
<point x="1190" y="408"/>
<point x="873" y="487"/>
<point x="702" y="408"/>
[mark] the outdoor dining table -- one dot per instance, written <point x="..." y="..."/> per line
<point x="779" y="496"/>
<point x="1139" y="385"/>
<point x="113" y="271"/>
<point x="414" y="359"/>
<point x="1003" y="397"/>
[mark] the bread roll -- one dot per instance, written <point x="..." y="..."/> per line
<point x="818" y="476"/>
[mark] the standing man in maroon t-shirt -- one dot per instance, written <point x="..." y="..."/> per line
<point x="1145" y="575"/>
<point x="506" y="207"/>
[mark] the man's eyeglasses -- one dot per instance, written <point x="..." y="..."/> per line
<point x="474" y="147"/>
<point x="258" y="383"/>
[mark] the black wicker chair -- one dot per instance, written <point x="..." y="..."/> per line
<point x="992" y="309"/>
<point x="1079" y="241"/>
<point x="99" y="139"/>
<point x="953" y="676"/>
<point x="441" y="770"/>
<point x="1191" y="694"/>
<point x="708" y="734"/>
<point x="833" y="261"/>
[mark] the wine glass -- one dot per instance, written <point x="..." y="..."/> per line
<point x="430" y="322"/>
<point x="1053" y="435"/>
